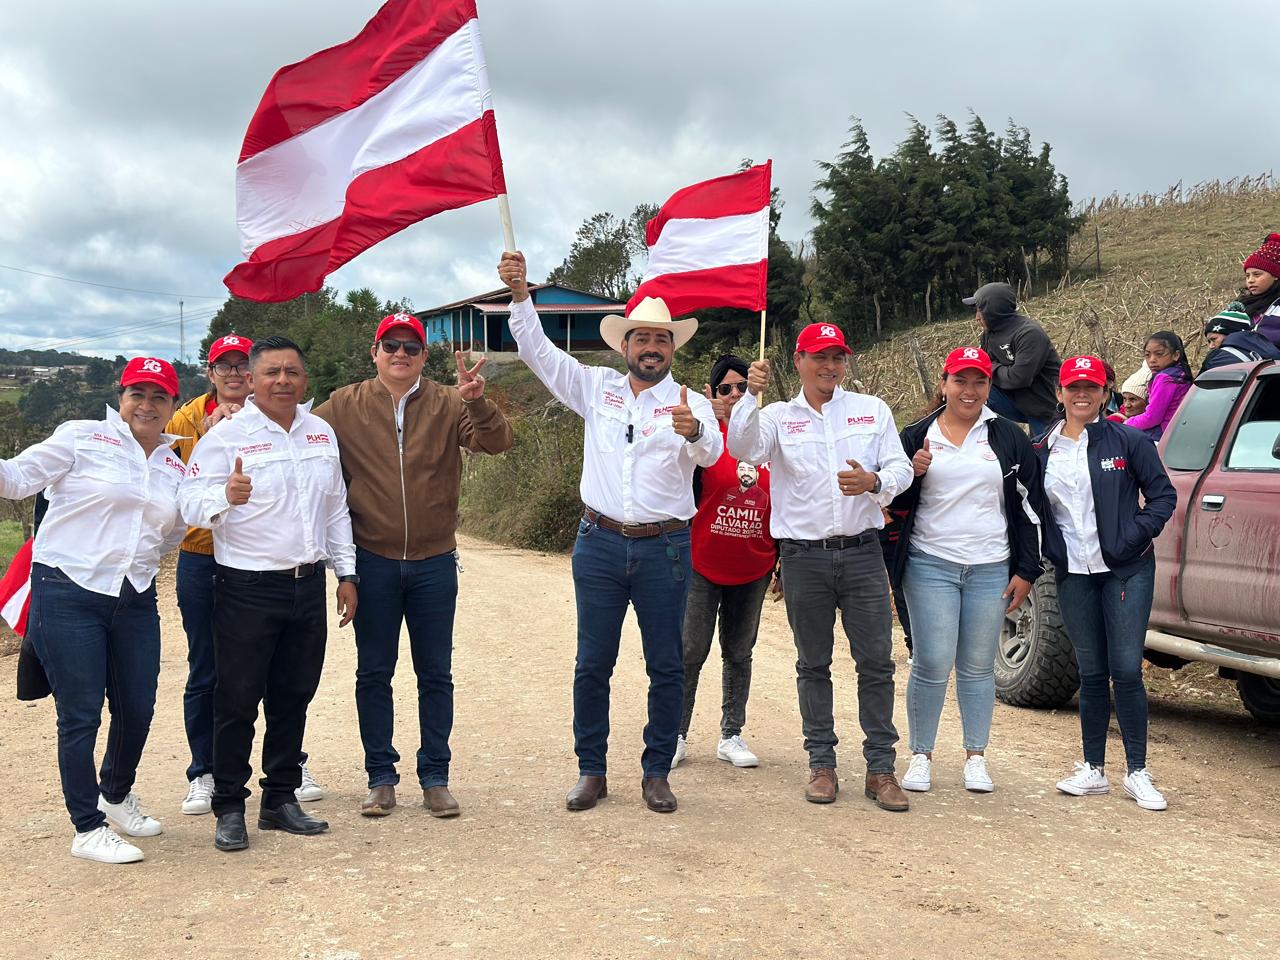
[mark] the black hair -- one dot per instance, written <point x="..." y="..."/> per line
<point x="1173" y="342"/>
<point x="273" y="343"/>
<point x="723" y="365"/>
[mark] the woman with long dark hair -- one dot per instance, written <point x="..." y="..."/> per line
<point x="1167" y="360"/>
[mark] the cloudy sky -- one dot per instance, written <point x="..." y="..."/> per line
<point x="120" y="124"/>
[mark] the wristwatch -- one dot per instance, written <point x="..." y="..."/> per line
<point x="697" y="436"/>
<point x="349" y="578"/>
<point x="877" y="485"/>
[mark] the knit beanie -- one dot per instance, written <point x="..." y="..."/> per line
<point x="1267" y="256"/>
<point x="724" y="365"/>
<point x="1228" y="321"/>
<point x="1137" y="382"/>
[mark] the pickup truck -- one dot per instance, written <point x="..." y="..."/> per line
<point x="1217" y="594"/>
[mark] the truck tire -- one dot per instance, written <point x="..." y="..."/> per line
<point x="1261" y="697"/>
<point x="1035" y="665"/>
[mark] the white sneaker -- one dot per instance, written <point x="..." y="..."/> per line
<point x="127" y="816"/>
<point x="104" y="846"/>
<point x="919" y="775"/>
<point x="976" y="777"/>
<point x="1139" y="786"/>
<point x="682" y="747"/>
<point x="200" y="796"/>
<point x="1086" y="781"/>
<point x="735" y="750"/>
<point x="309" y="789"/>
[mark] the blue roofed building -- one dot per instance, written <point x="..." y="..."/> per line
<point x="571" y="318"/>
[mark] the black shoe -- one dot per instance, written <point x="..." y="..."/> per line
<point x="230" y="833"/>
<point x="290" y="818"/>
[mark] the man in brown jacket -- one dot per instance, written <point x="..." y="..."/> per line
<point x="400" y="437"/>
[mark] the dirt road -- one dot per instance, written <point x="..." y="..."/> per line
<point x="745" y="868"/>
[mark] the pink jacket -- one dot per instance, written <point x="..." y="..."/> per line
<point x="1164" y="395"/>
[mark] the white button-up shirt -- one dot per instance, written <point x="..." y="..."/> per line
<point x="806" y="448"/>
<point x="297" y="509"/>
<point x="635" y="467"/>
<point x="113" y="510"/>
<point x="1069" y="487"/>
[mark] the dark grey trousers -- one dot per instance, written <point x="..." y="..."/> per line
<point x="738" y="607"/>
<point x="815" y="584"/>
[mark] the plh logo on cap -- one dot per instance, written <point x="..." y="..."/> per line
<point x="1083" y="368"/>
<point x="819" y="336"/>
<point x="967" y="358"/>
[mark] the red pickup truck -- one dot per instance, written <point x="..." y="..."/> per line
<point x="1217" y="594"/>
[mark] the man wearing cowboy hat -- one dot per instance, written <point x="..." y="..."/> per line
<point x="643" y="437"/>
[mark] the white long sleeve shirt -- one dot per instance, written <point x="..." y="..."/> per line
<point x="806" y="448"/>
<point x="1069" y="487"/>
<point x="113" y="510"/>
<point x="635" y="467"/>
<point x="297" y="509"/>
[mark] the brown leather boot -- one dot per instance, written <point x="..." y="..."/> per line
<point x="823" y="785"/>
<point x="439" y="802"/>
<point x="657" y="794"/>
<point x="884" y="790"/>
<point x="586" y="792"/>
<point x="379" y="802"/>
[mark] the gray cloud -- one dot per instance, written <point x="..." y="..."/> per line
<point x="122" y="123"/>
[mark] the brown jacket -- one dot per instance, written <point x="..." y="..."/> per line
<point x="187" y="423"/>
<point x="405" y="505"/>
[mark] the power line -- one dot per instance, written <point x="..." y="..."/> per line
<point x="108" y="286"/>
<point x="52" y="343"/>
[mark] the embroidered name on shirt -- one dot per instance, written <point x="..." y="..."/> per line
<point x="795" y="426"/>
<point x="103" y="438"/>
<point x="256" y="448"/>
<point x="614" y="400"/>
<point x="318" y="438"/>
<point x="1113" y="463"/>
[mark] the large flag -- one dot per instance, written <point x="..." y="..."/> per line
<point x="355" y="143"/>
<point x="709" y="245"/>
<point x="15" y="590"/>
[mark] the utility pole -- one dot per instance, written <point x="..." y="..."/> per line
<point x="182" y="335"/>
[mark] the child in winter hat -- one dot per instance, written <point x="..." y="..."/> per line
<point x="1261" y="295"/>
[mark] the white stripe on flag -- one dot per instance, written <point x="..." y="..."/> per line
<point x="446" y="91"/>
<point x="12" y="609"/>
<point x="686" y="245"/>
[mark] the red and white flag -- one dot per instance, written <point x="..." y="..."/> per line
<point x="15" y="590"/>
<point x="357" y="142"/>
<point x="709" y="245"/>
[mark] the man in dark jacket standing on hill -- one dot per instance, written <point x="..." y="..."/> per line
<point x="400" y="437"/>
<point x="1024" y="380"/>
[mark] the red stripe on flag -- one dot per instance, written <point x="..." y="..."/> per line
<point x="731" y="196"/>
<point x="461" y="169"/>
<point x="15" y="589"/>
<point x="742" y="285"/>
<point x="307" y="93"/>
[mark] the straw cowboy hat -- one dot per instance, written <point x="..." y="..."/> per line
<point x="649" y="312"/>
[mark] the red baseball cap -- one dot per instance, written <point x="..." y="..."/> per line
<point x="150" y="370"/>
<point x="820" y="336"/>
<point x="229" y="344"/>
<point x="967" y="358"/>
<point x="406" y="320"/>
<point x="1083" y="368"/>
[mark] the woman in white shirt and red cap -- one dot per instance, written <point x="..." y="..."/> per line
<point x="113" y="513"/>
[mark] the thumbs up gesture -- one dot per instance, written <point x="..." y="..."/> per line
<point x="683" y="421"/>
<point x="239" y="486"/>
<point x="718" y="405"/>
<point x="855" y="480"/>
<point x="920" y="462"/>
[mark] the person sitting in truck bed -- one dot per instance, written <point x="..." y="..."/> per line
<point x="1167" y="358"/>
<point x="1232" y="339"/>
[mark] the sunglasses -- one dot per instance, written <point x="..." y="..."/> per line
<point x="390" y="345"/>
<point x="725" y="389"/>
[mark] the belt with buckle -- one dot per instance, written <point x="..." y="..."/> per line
<point x="633" y="530"/>
<point x="839" y="543"/>
<point x="300" y="572"/>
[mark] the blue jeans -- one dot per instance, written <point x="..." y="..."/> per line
<point x="196" y="573"/>
<point x="1003" y="404"/>
<point x="423" y="594"/>
<point x="1106" y="618"/>
<point x="651" y="574"/>
<point x="956" y="612"/>
<point x="91" y="645"/>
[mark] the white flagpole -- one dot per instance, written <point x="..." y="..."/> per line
<point x="760" y="399"/>
<point x="508" y="233"/>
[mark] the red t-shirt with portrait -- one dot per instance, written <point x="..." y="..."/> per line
<point x="730" y="538"/>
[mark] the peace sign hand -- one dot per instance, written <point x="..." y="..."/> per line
<point x="470" y="383"/>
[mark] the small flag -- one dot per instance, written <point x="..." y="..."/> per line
<point x="15" y="590"/>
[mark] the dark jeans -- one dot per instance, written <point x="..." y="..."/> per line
<point x="423" y="594"/>
<point x="652" y="574"/>
<point x="269" y="632"/>
<point x="899" y="596"/>
<point x="1106" y="618"/>
<point x="815" y="584"/>
<point x="739" y="609"/>
<point x="1003" y="404"/>
<point x="195" y="599"/>
<point x="90" y="644"/>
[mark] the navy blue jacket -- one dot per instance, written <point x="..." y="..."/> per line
<point x="1023" y="497"/>
<point x="1241" y="347"/>
<point x="1123" y="462"/>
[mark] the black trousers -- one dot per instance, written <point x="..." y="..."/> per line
<point x="269" y="635"/>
